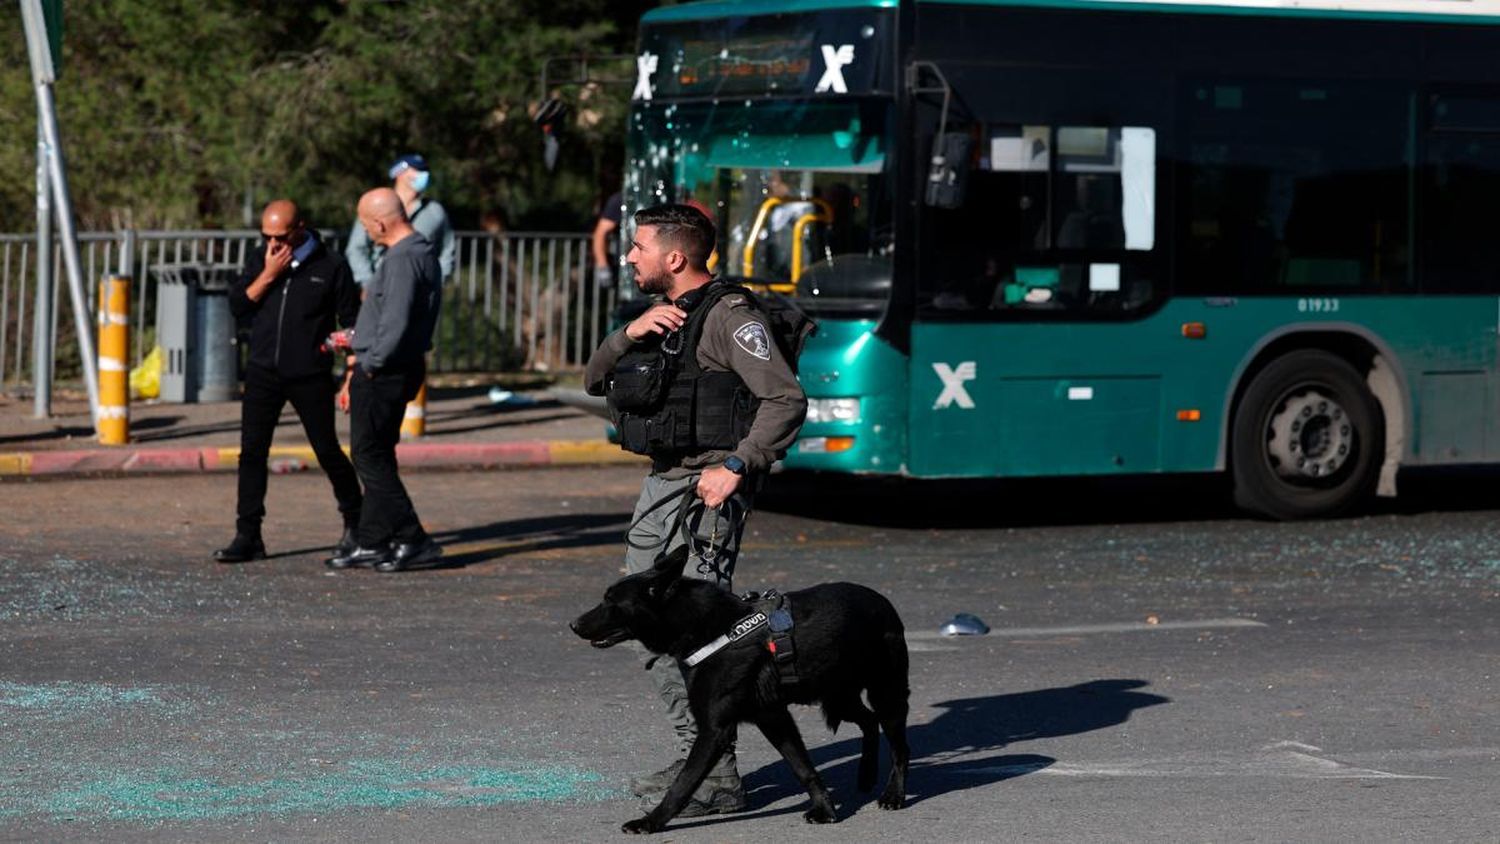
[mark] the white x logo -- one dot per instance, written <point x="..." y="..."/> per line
<point x="645" y="65"/>
<point x="834" y="60"/>
<point x="953" y="385"/>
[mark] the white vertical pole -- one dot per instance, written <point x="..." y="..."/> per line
<point x="43" y="76"/>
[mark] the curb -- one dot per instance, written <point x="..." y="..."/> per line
<point x="143" y="461"/>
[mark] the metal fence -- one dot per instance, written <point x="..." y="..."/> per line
<point x="516" y="301"/>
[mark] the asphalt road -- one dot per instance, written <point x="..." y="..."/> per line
<point x="1160" y="668"/>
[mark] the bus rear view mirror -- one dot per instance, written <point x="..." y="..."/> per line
<point x="948" y="174"/>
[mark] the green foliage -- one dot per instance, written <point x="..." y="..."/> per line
<point x="173" y="110"/>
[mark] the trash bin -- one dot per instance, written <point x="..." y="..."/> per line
<point x="196" y="332"/>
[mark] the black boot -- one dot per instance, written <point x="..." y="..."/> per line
<point x="358" y="556"/>
<point x="241" y="549"/>
<point x="346" y="544"/>
<point x="407" y="554"/>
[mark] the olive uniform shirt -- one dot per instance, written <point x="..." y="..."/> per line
<point x="735" y="339"/>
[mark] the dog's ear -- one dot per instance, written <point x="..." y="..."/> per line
<point x="669" y="566"/>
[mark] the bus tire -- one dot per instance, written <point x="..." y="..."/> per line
<point x="1308" y="438"/>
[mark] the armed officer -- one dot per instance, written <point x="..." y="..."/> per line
<point x="699" y="384"/>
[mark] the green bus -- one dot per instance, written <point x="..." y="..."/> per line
<point x="1088" y="237"/>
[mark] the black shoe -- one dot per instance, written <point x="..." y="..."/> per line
<point x="359" y="557"/>
<point x="346" y="544"/>
<point x="408" y="554"/>
<point x="241" y="549"/>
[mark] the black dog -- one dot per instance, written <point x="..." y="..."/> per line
<point x="848" y="639"/>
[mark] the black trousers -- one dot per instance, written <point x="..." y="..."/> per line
<point x="376" y="407"/>
<point x="266" y="393"/>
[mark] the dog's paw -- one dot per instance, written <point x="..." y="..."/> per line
<point x="640" y="826"/>
<point x="892" y="799"/>
<point x="820" y="814"/>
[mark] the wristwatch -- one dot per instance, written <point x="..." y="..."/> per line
<point x="734" y="464"/>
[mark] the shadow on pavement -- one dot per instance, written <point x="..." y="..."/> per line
<point x="61" y="433"/>
<point x="447" y="429"/>
<point x="996" y="503"/>
<point x="517" y="536"/>
<point x="146" y="430"/>
<point x="966" y="726"/>
<point x="992" y="503"/>
<point x="489" y="415"/>
<point x="321" y="550"/>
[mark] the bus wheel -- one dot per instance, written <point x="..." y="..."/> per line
<point x="1307" y="438"/>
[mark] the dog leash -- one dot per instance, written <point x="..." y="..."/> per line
<point x="710" y="551"/>
<point x="707" y="549"/>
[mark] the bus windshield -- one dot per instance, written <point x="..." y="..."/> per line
<point x="799" y="192"/>
<point x="818" y="235"/>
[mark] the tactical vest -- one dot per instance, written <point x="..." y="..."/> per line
<point x="664" y="404"/>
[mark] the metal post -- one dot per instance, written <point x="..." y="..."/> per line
<point x="127" y="253"/>
<point x="41" y="332"/>
<point x="43" y="77"/>
<point x="127" y="268"/>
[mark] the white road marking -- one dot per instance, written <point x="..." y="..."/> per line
<point x="1086" y="629"/>
<point x="927" y="647"/>
<point x="1284" y="759"/>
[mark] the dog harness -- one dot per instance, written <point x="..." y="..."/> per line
<point x="774" y="612"/>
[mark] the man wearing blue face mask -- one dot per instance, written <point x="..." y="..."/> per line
<point x="410" y="179"/>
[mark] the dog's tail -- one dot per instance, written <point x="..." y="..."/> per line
<point x="889" y="697"/>
<point x="895" y="646"/>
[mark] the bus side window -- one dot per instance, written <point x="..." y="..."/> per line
<point x="1461" y="191"/>
<point x="1294" y="184"/>
<point x="1050" y="217"/>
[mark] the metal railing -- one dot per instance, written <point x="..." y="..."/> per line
<point x="516" y="301"/>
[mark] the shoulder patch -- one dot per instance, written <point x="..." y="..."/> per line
<point x="734" y="300"/>
<point x="752" y="337"/>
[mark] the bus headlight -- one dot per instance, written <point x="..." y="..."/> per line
<point x="832" y="410"/>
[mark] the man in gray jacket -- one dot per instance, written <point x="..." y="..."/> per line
<point x="393" y="334"/>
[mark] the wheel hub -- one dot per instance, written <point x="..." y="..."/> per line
<point x="1310" y="436"/>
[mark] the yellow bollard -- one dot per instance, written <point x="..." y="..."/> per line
<point x="414" y="423"/>
<point x="114" y="374"/>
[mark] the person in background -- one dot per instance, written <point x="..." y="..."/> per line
<point x="605" y="241"/>
<point x="294" y="294"/>
<point x="391" y="339"/>
<point x="410" y="179"/>
<point x="605" y="246"/>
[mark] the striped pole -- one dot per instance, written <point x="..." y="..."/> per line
<point x="114" y="375"/>
<point x="414" y="424"/>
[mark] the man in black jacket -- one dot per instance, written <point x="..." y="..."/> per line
<point x="292" y="294"/>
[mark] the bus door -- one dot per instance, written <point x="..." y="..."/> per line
<point x="1457" y="418"/>
<point x="1028" y="352"/>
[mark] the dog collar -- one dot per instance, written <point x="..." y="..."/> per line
<point x="740" y="630"/>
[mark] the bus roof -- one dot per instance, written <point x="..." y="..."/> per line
<point x="708" y="9"/>
<point x="1475" y="11"/>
